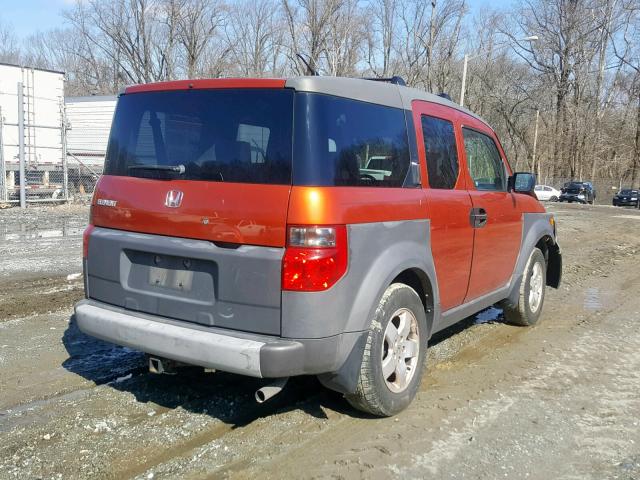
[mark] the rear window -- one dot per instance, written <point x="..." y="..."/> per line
<point x="343" y="142"/>
<point x="230" y="135"/>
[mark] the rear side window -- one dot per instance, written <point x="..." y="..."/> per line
<point x="441" y="152"/>
<point x="343" y="142"/>
<point x="229" y="135"/>
<point x="485" y="164"/>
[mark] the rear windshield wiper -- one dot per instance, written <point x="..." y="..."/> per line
<point x="179" y="169"/>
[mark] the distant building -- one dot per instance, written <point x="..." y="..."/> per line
<point x="43" y="108"/>
<point x="88" y="123"/>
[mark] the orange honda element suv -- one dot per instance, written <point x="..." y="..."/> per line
<point x="307" y="226"/>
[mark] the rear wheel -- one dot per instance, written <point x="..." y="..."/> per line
<point x="531" y="295"/>
<point x="393" y="359"/>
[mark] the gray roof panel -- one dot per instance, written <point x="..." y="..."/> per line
<point x="382" y="93"/>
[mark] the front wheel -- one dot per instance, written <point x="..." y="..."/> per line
<point x="531" y="294"/>
<point x="553" y="199"/>
<point x="393" y="359"/>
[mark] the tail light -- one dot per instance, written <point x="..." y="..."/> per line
<point x="316" y="257"/>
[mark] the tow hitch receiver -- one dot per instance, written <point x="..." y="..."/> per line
<point x="163" y="365"/>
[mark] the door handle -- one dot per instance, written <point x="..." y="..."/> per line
<point x="478" y="217"/>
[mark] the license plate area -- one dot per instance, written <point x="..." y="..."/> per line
<point x="180" y="280"/>
<point x="167" y="275"/>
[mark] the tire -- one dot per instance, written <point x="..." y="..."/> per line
<point x="381" y="395"/>
<point x="527" y="310"/>
<point x="553" y="199"/>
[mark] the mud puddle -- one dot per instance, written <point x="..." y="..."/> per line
<point x="41" y="295"/>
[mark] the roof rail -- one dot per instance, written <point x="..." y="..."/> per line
<point x="395" y="80"/>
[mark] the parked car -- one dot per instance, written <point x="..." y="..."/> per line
<point x="546" y="193"/>
<point x="581" y="192"/>
<point x="343" y="274"/>
<point x="626" y="197"/>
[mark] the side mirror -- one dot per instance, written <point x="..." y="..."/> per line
<point x="522" y="182"/>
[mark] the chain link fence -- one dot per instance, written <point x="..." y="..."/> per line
<point x="52" y="149"/>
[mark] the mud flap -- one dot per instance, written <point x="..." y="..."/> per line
<point x="345" y="379"/>
<point x="554" y="266"/>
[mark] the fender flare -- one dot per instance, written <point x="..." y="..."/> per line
<point x="397" y="258"/>
<point x="535" y="227"/>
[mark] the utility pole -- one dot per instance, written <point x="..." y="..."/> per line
<point x="23" y="183"/>
<point x="531" y="38"/>
<point x="535" y="144"/>
<point x="3" y="170"/>
<point x="464" y="79"/>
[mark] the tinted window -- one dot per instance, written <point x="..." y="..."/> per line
<point x="441" y="152"/>
<point x="485" y="164"/>
<point x="218" y="135"/>
<point x="345" y="142"/>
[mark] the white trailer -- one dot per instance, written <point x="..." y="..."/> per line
<point x="88" y="125"/>
<point x="31" y="110"/>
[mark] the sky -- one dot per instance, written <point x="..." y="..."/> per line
<point x="30" y="16"/>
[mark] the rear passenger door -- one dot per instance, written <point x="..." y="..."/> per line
<point x="496" y="218"/>
<point x="439" y="147"/>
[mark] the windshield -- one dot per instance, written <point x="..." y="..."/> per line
<point x="574" y="185"/>
<point x="229" y="135"/>
<point x="628" y="192"/>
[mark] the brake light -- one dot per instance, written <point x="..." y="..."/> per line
<point x="85" y="240"/>
<point x="316" y="257"/>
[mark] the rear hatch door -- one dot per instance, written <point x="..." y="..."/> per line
<point x="191" y="212"/>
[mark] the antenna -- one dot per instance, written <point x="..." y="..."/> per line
<point x="313" y="72"/>
<point x="396" y="80"/>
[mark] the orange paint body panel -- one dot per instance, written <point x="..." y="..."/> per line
<point x="207" y="84"/>
<point x="345" y="205"/>
<point x="497" y="244"/>
<point x="451" y="231"/>
<point x="223" y="212"/>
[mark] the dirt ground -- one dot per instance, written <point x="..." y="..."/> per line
<point x="560" y="400"/>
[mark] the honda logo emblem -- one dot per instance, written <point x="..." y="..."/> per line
<point x="174" y="198"/>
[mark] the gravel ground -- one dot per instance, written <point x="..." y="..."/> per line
<point x="559" y="400"/>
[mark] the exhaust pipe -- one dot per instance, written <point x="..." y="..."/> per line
<point x="265" y="393"/>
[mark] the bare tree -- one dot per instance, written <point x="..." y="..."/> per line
<point x="255" y="37"/>
<point x="381" y="37"/>
<point x="427" y="34"/>
<point x="199" y="23"/>
<point x="9" y="49"/>
<point x="309" y="23"/>
<point x="627" y="50"/>
<point x="578" y="86"/>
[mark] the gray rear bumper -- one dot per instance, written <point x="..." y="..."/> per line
<point x="231" y="351"/>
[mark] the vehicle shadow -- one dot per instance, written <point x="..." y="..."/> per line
<point x="228" y="397"/>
